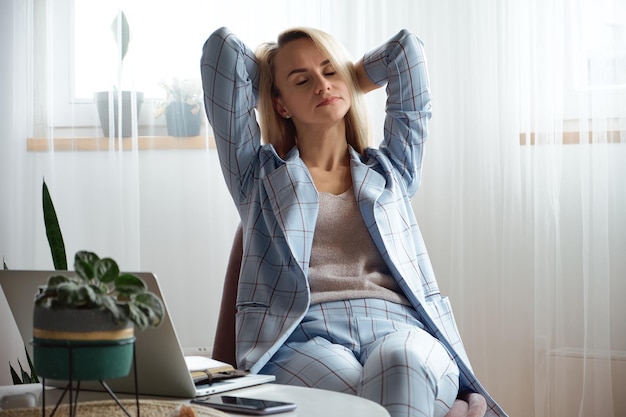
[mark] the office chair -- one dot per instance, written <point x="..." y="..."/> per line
<point x="224" y="344"/>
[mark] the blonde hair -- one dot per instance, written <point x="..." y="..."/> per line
<point x="281" y="132"/>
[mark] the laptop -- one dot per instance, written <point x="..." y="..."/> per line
<point x="161" y="366"/>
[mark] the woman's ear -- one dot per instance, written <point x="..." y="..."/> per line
<point x="280" y="109"/>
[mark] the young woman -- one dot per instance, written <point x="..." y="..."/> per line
<point x="336" y="289"/>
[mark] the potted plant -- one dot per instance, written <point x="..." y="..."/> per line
<point x="93" y="314"/>
<point x="182" y="107"/>
<point x="115" y="101"/>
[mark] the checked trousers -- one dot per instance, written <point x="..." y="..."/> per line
<point x="372" y="348"/>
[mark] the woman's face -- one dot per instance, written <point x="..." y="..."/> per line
<point x="311" y="91"/>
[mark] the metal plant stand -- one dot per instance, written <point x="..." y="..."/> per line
<point x="73" y="392"/>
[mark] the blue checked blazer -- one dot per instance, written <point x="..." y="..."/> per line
<point x="278" y="202"/>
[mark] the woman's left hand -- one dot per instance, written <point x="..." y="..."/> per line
<point x="365" y="84"/>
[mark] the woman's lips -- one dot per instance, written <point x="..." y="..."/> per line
<point x="328" y="101"/>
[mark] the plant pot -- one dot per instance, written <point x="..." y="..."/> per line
<point x="181" y="120"/>
<point x="97" y="347"/>
<point x="102" y="104"/>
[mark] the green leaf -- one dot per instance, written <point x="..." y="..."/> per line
<point x="67" y="294"/>
<point x="84" y="270"/>
<point x="99" y="288"/>
<point x="84" y="263"/>
<point x="86" y="296"/>
<point x="53" y="231"/>
<point x="15" y="376"/>
<point x="25" y="376"/>
<point x="119" y="314"/>
<point x="55" y="280"/>
<point x="121" y="33"/>
<point x="50" y="290"/>
<point x="33" y="374"/>
<point x="138" y="316"/>
<point x="89" y="257"/>
<point x="127" y="284"/>
<point x="42" y="298"/>
<point x="152" y="306"/>
<point x="106" y="270"/>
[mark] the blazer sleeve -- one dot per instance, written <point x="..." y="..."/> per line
<point x="230" y="82"/>
<point x="401" y="64"/>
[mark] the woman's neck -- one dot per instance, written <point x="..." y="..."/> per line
<point x="324" y="149"/>
<point x="328" y="160"/>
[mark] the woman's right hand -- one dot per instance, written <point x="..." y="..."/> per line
<point x="469" y="405"/>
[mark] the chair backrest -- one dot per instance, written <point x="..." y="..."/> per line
<point x="224" y="344"/>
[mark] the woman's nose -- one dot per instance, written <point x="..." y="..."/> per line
<point x="321" y="85"/>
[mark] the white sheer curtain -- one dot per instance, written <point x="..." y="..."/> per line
<point x="522" y="203"/>
<point x="530" y="228"/>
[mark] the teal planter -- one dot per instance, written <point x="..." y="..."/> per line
<point x="96" y="347"/>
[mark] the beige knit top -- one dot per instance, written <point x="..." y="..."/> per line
<point x="345" y="263"/>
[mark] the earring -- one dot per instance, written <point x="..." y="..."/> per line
<point x="287" y="116"/>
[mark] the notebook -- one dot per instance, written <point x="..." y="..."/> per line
<point x="161" y="366"/>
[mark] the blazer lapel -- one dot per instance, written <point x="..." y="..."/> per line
<point x="369" y="186"/>
<point x="295" y="204"/>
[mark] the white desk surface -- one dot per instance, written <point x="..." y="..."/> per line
<point x="314" y="402"/>
<point x="310" y="402"/>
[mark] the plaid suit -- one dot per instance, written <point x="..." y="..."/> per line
<point x="278" y="202"/>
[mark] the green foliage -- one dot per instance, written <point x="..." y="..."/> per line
<point x="24" y="377"/>
<point x="98" y="284"/>
<point x="57" y="249"/>
<point x="16" y="378"/>
<point x="53" y="231"/>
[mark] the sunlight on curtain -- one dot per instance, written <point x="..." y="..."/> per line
<point x="524" y="187"/>
<point x="579" y="53"/>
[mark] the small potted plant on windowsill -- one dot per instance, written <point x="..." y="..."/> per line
<point x="182" y="107"/>
<point x="115" y="104"/>
<point x="94" y="314"/>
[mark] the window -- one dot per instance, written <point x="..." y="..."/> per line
<point x="76" y="42"/>
<point x="595" y="58"/>
<point x="601" y="50"/>
<point x="165" y="42"/>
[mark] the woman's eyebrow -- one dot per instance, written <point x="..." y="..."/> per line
<point x="300" y="70"/>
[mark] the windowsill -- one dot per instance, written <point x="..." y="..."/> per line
<point x="143" y="143"/>
<point x="573" y="138"/>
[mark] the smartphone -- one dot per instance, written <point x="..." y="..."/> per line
<point x="245" y="405"/>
